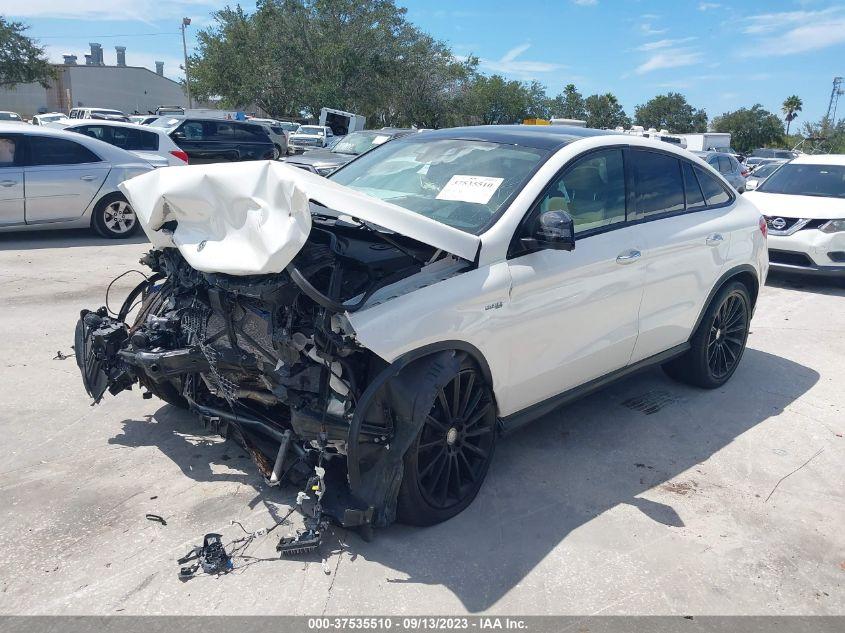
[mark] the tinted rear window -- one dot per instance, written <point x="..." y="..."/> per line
<point x="659" y="185"/>
<point x="714" y="192"/>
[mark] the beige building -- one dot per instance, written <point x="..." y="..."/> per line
<point x="93" y="84"/>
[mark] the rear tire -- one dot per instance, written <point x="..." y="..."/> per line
<point x="448" y="461"/>
<point x="718" y="343"/>
<point x="114" y="217"/>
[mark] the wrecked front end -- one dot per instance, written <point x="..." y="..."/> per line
<point x="271" y="360"/>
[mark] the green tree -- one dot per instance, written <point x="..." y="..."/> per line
<point x="292" y="57"/>
<point x="750" y="128"/>
<point x="569" y="104"/>
<point x="21" y="59"/>
<point x="791" y="107"/>
<point x="672" y="112"/>
<point x="495" y="100"/>
<point x="605" y="112"/>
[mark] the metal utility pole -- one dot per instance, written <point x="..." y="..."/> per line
<point x="186" y="22"/>
<point x="834" y="99"/>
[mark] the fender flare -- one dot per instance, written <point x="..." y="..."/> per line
<point x="736" y="271"/>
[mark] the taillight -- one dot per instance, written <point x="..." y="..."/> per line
<point x="181" y="155"/>
<point x="744" y="173"/>
<point x="764" y="228"/>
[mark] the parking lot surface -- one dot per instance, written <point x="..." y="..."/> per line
<point x="648" y="497"/>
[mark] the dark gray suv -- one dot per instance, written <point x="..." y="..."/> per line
<point x="727" y="165"/>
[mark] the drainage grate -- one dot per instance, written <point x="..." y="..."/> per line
<point x="650" y="402"/>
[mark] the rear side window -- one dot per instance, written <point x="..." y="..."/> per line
<point x="223" y="131"/>
<point x="659" y="184"/>
<point x="44" y="150"/>
<point x="695" y="199"/>
<point x="250" y="133"/>
<point x="725" y="165"/>
<point x="714" y="192"/>
<point x="129" y="139"/>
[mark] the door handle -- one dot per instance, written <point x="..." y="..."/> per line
<point x="628" y="257"/>
<point x="715" y="238"/>
<point x="8" y="183"/>
<point x="88" y="177"/>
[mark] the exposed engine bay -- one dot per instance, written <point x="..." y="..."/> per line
<point x="272" y="362"/>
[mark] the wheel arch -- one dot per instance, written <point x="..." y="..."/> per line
<point x="746" y="275"/>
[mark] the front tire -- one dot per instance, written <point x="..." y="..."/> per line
<point x="114" y="217"/>
<point x="718" y="343"/>
<point x="447" y="463"/>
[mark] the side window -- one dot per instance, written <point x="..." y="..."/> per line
<point x="250" y="133"/>
<point x="714" y="192"/>
<point x="44" y="150"/>
<point x="96" y="131"/>
<point x="725" y="166"/>
<point x="660" y="187"/>
<point x="130" y="139"/>
<point x="592" y="191"/>
<point x="10" y="151"/>
<point x="192" y="130"/>
<point x="222" y="131"/>
<point x="695" y="199"/>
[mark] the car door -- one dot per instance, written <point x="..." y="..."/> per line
<point x="681" y="206"/>
<point x="11" y="180"/>
<point x="61" y="177"/>
<point x="252" y="141"/>
<point x="573" y="314"/>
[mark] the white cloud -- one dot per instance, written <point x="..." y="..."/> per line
<point x="793" y="32"/>
<point x="772" y="22"/>
<point x="669" y="58"/>
<point x="707" y="6"/>
<point x="585" y="3"/>
<point x="647" y="29"/>
<point x="667" y="43"/>
<point x="523" y="69"/>
<point x="146" y="11"/>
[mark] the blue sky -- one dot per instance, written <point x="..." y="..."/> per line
<point x="721" y="55"/>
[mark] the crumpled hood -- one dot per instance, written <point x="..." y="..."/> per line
<point x="812" y="207"/>
<point x="252" y="218"/>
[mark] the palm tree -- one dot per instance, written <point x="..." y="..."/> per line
<point x="791" y="107"/>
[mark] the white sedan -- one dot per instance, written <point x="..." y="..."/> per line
<point x="804" y="205"/>
<point x="149" y="143"/>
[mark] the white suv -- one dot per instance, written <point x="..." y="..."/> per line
<point x="804" y="205"/>
<point x="375" y="331"/>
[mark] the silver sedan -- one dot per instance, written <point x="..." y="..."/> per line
<point x="52" y="179"/>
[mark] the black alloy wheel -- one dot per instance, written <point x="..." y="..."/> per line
<point x="727" y="335"/>
<point x="446" y="465"/>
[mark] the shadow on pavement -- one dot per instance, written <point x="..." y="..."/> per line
<point x="831" y="286"/>
<point x="61" y="238"/>
<point x="548" y="479"/>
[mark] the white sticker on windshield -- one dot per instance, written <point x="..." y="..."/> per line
<point x="478" y="189"/>
<point x="381" y="138"/>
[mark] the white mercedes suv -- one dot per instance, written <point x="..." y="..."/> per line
<point x="370" y="335"/>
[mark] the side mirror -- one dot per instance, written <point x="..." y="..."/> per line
<point x="751" y="184"/>
<point x="553" y="230"/>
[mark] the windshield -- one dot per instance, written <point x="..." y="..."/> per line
<point x="289" y="127"/>
<point x="764" y="171"/>
<point x="460" y="183"/>
<point x="359" y="142"/>
<point x="49" y="118"/>
<point x="166" y="122"/>
<point x="9" y="116"/>
<point x="310" y="131"/>
<point x="826" y="181"/>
